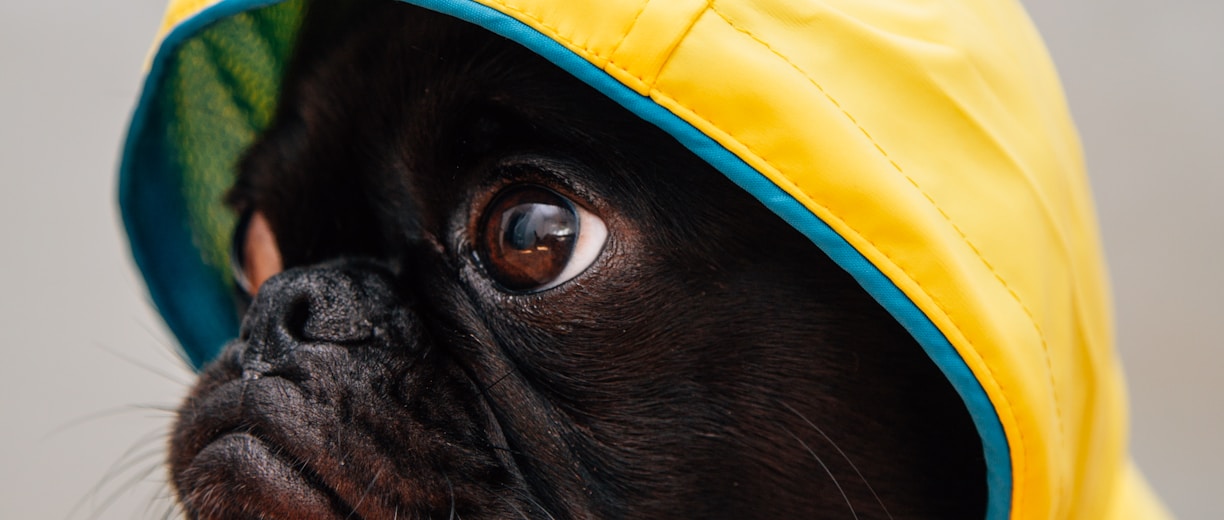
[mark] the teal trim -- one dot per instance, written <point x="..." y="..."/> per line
<point x="202" y="316"/>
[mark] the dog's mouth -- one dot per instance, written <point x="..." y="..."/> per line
<point x="285" y="445"/>
<point x="259" y="480"/>
<point x="247" y="463"/>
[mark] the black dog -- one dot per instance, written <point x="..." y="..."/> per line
<point x="507" y="297"/>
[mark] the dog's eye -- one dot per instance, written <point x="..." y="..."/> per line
<point x="531" y="239"/>
<point x="254" y="255"/>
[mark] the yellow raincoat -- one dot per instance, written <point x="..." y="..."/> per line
<point x="923" y="144"/>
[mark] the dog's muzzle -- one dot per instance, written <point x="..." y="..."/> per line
<point x="330" y="403"/>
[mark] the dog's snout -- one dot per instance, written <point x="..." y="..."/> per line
<point x="344" y="304"/>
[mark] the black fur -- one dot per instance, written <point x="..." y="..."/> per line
<point x="712" y="363"/>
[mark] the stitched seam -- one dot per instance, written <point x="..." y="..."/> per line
<point x="608" y="61"/>
<point x="675" y="43"/>
<point x="558" y="35"/>
<point x="628" y="30"/>
<point x="561" y="38"/>
<point x="884" y="154"/>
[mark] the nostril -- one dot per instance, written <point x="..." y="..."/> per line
<point x="296" y="315"/>
<point x="347" y="303"/>
<point x="332" y="309"/>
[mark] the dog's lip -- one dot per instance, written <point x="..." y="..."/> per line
<point x="255" y="478"/>
<point x="286" y="453"/>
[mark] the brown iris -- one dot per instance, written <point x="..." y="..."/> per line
<point x="526" y="237"/>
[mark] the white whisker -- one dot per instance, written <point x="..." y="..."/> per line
<point x="365" y="493"/>
<point x="827" y="471"/>
<point x="844" y="456"/>
<point x="451" y="490"/>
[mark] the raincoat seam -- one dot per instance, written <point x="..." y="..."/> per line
<point x="561" y="38"/>
<point x="1040" y="334"/>
<point x="942" y="213"/>
<point x="557" y="34"/>
<point x="627" y="31"/>
<point x="671" y="51"/>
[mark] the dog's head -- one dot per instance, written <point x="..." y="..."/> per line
<point x="479" y="289"/>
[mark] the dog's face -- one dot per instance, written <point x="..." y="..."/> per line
<point x="503" y="296"/>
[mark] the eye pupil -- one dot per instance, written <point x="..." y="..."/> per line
<point x="527" y="237"/>
<point x="536" y="226"/>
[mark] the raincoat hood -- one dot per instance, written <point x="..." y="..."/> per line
<point x="924" y="145"/>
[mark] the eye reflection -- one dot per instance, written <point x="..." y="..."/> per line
<point x="531" y="238"/>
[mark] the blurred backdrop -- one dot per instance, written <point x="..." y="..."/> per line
<point x="88" y="372"/>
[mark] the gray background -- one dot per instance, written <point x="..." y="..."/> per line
<point x="88" y="370"/>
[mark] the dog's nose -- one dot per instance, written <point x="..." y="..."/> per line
<point x="351" y="303"/>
